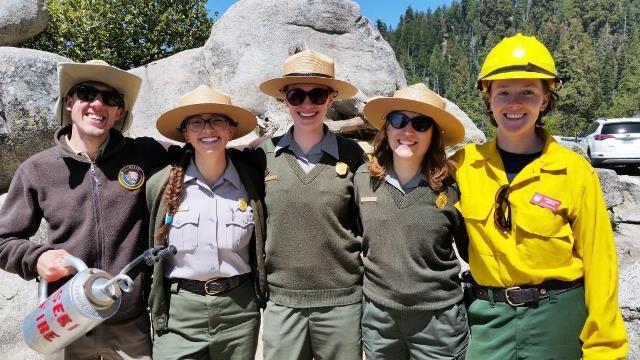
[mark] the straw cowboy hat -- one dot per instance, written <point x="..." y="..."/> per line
<point x="204" y="100"/>
<point x="308" y="67"/>
<point x="72" y="74"/>
<point x="419" y="99"/>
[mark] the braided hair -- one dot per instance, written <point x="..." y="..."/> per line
<point x="173" y="194"/>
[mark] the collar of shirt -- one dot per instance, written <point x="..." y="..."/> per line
<point x="328" y="144"/>
<point x="392" y="179"/>
<point x="551" y="161"/>
<point x="230" y="174"/>
<point x="84" y="153"/>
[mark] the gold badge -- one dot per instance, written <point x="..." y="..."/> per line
<point x="131" y="177"/>
<point x="369" y="157"/>
<point x="242" y="204"/>
<point x="441" y="200"/>
<point x="270" y="177"/>
<point x="365" y="199"/>
<point x="341" y="168"/>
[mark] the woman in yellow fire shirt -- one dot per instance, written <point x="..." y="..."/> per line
<point x="541" y="245"/>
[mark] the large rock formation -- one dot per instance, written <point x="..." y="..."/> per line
<point x="28" y="91"/>
<point x="21" y="20"/>
<point x="249" y="45"/>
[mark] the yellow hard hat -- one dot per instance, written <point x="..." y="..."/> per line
<point x="519" y="57"/>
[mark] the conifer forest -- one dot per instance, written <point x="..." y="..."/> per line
<point x="595" y="43"/>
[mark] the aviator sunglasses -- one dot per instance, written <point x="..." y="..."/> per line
<point x="109" y="97"/>
<point x="318" y="96"/>
<point x="502" y="213"/>
<point x="399" y="120"/>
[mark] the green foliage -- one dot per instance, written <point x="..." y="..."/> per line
<point x="125" y="33"/>
<point x="596" y="42"/>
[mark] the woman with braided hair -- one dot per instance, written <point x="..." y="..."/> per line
<point x="205" y="300"/>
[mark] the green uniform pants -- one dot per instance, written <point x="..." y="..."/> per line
<point x="389" y="334"/>
<point x="223" y="326"/>
<point x="549" y="330"/>
<point x="325" y="333"/>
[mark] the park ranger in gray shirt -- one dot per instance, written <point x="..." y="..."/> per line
<point x="202" y="301"/>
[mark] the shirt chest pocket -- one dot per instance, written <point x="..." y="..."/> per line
<point x="544" y="239"/>
<point x="240" y="228"/>
<point x="184" y="230"/>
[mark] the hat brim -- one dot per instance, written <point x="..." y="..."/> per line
<point x="376" y="110"/>
<point x="168" y="123"/>
<point x="274" y="87"/>
<point x="71" y="74"/>
<point x="482" y="83"/>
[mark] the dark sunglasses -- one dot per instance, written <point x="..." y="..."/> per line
<point x="109" y="97"/>
<point x="318" y="96"/>
<point x="502" y="213"/>
<point x="399" y="120"/>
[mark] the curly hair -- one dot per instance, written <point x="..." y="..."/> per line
<point x="553" y="100"/>
<point x="173" y="193"/>
<point x="435" y="165"/>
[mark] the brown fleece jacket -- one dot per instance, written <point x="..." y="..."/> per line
<point x="88" y="212"/>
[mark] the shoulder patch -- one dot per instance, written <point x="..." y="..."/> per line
<point x="131" y="177"/>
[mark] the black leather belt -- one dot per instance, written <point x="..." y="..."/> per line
<point x="527" y="294"/>
<point x="213" y="286"/>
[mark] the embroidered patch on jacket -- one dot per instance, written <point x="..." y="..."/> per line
<point x="341" y="168"/>
<point x="442" y="200"/>
<point x="131" y="177"/>
<point x="545" y="202"/>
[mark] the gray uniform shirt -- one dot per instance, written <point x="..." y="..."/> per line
<point x="308" y="161"/>
<point x="212" y="228"/>
<point x="392" y="179"/>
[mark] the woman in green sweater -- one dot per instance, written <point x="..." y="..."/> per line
<point x="412" y="305"/>
<point x="203" y="300"/>
<point x="313" y="262"/>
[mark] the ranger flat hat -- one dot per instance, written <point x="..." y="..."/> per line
<point x="308" y="67"/>
<point x="419" y="99"/>
<point x="204" y="100"/>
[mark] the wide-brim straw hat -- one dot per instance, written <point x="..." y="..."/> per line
<point x="308" y="67"/>
<point x="204" y="100"/>
<point x="419" y="99"/>
<point x="72" y="74"/>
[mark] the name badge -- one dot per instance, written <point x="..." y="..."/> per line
<point x="270" y="177"/>
<point x="365" y="199"/>
<point x="545" y="202"/>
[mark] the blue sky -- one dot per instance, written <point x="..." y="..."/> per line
<point x="388" y="11"/>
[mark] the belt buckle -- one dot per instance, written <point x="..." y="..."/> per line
<point x="214" y="286"/>
<point x="506" y="296"/>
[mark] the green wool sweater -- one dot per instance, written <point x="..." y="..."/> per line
<point x="312" y="251"/>
<point x="407" y="251"/>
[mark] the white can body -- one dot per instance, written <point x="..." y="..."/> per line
<point x="68" y="313"/>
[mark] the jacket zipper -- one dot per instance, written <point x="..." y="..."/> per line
<point x="95" y="194"/>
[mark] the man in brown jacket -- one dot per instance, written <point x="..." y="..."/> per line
<point x="89" y="188"/>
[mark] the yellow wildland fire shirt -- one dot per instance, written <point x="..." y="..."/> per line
<point x="560" y="230"/>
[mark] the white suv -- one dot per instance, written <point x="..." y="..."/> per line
<point x="613" y="142"/>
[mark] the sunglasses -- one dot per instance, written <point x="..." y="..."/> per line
<point x="318" y="96"/>
<point x="502" y="213"/>
<point x="399" y="120"/>
<point x="109" y="97"/>
<point x="198" y="123"/>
